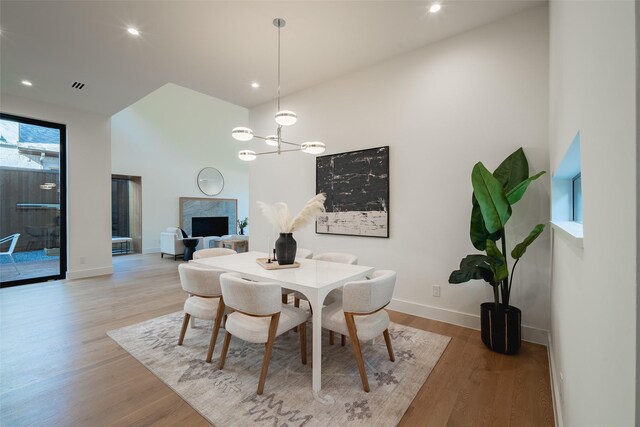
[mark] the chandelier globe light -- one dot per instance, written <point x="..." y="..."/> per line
<point x="286" y="118"/>
<point x="247" y="155"/>
<point x="242" y="134"/>
<point x="272" y="140"/>
<point x="315" y="147"/>
<point x="283" y="118"/>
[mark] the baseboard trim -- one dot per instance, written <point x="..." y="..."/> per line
<point x="82" y="274"/>
<point x="555" y="384"/>
<point x="529" y="333"/>
<point x="151" y="250"/>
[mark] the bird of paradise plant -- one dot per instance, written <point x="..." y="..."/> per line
<point x="492" y="201"/>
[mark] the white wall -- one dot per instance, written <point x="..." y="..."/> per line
<point x="166" y="138"/>
<point x="477" y="96"/>
<point x="593" y="291"/>
<point x="88" y="182"/>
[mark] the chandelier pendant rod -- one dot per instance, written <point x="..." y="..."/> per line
<point x="280" y="126"/>
<point x="276" y="152"/>
<point x="279" y="139"/>
<point x="279" y="25"/>
<point x="282" y="140"/>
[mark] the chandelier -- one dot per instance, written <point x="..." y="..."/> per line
<point x="283" y="118"/>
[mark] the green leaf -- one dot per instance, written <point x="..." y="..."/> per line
<point x="513" y="170"/>
<point x="517" y="192"/>
<point x="496" y="261"/>
<point x="478" y="230"/>
<point x="521" y="247"/>
<point x="494" y="206"/>
<point x="472" y="267"/>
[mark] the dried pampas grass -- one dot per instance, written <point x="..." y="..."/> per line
<point x="279" y="216"/>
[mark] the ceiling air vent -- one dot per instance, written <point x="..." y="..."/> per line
<point x="77" y="85"/>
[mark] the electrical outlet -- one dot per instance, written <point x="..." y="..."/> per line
<point x="436" y="290"/>
<point x="83" y="260"/>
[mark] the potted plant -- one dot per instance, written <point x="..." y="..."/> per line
<point x="492" y="201"/>
<point x="242" y="225"/>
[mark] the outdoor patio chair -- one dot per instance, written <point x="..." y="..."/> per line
<point x="14" y="240"/>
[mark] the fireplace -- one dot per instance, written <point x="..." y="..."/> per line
<point x="197" y="207"/>
<point x="209" y="226"/>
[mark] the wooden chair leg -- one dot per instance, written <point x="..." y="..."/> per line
<point x="216" y="328"/>
<point x="355" y="343"/>
<point x="303" y="342"/>
<point x="273" y="327"/>
<point x="185" y="323"/>
<point x="296" y="303"/>
<point x="225" y="348"/>
<point x="387" y="339"/>
<point x="342" y="340"/>
<point x="331" y="337"/>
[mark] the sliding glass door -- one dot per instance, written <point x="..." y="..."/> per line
<point x="32" y="200"/>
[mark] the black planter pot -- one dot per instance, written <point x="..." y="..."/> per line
<point x="286" y="248"/>
<point x="500" y="329"/>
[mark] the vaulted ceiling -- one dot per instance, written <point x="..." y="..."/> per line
<point x="217" y="48"/>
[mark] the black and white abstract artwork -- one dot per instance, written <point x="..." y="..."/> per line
<point x="357" y="188"/>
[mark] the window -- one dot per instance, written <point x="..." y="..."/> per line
<point x="577" y="198"/>
<point x="566" y="195"/>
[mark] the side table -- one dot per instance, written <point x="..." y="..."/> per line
<point x="189" y="248"/>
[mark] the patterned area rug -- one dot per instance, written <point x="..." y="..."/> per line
<point x="228" y="397"/>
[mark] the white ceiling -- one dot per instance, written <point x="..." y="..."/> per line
<point x="217" y="48"/>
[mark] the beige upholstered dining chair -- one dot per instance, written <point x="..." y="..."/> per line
<point x="259" y="317"/>
<point x="212" y="252"/>
<point x="341" y="257"/>
<point x="336" y="294"/>
<point x="361" y="314"/>
<point x="304" y="253"/>
<point x="204" y="301"/>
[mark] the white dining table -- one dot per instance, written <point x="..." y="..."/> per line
<point x="314" y="279"/>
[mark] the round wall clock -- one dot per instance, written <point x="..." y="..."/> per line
<point x="210" y="181"/>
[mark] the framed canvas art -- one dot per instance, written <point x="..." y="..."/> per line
<point x="357" y="188"/>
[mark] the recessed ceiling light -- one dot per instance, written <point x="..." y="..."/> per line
<point x="255" y="85"/>
<point x="133" y="31"/>
<point x="435" y="7"/>
<point x="27" y="83"/>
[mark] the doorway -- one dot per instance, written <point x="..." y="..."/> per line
<point x="33" y="242"/>
<point x="126" y="214"/>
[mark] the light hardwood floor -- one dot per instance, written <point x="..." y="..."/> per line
<point x="28" y="270"/>
<point x="58" y="367"/>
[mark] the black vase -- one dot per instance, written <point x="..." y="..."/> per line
<point x="500" y="329"/>
<point x="286" y="248"/>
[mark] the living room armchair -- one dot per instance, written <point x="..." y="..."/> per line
<point x="171" y="243"/>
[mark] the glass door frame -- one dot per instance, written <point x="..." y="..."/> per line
<point x="63" y="198"/>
